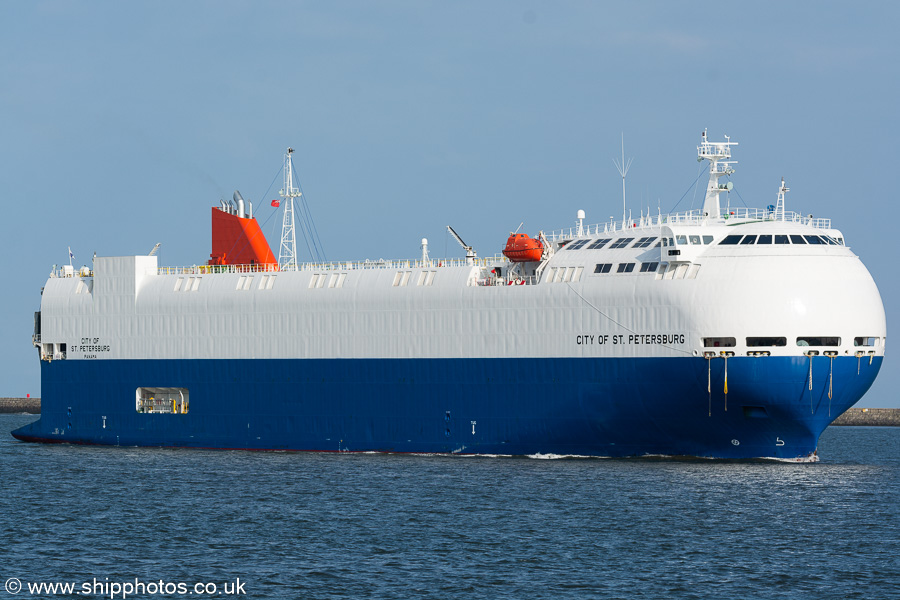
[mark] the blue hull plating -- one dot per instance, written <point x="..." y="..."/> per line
<point x="571" y="406"/>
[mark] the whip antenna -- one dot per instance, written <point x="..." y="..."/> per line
<point x="623" y="167"/>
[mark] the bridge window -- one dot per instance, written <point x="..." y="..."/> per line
<point x="865" y="341"/>
<point x="644" y="242"/>
<point x="748" y="239"/>
<point x="731" y="240"/>
<point x="797" y="239"/>
<point x="764" y="239"/>
<point x="814" y="239"/>
<point x="576" y="245"/>
<point x="782" y="239"/>
<point x="707" y="239"/>
<point x="621" y="242"/>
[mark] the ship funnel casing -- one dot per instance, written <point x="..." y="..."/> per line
<point x="239" y="200"/>
<point x="238" y="241"/>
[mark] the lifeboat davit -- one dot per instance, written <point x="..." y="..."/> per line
<point x="521" y="248"/>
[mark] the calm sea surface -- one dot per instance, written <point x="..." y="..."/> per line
<point x="383" y="526"/>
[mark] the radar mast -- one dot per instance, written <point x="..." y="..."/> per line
<point x="719" y="156"/>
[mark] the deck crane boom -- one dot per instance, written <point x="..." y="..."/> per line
<point x="470" y="253"/>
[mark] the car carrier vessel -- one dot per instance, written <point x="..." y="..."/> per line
<point x="718" y="332"/>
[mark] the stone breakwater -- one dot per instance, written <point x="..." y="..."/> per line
<point x="870" y="416"/>
<point x="20" y="405"/>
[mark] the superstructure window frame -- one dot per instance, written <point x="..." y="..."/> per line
<point x="766" y="341"/>
<point x="645" y="242"/>
<point x="719" y="342"/>
<point x="602" y="268"/>
<point x="621" y="243"/>
<point x="576" y="244"/>
<point x="827" y="341"/>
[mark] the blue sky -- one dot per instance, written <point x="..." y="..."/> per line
<point x="121" y="123"/>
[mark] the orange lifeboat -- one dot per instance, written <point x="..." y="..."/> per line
<point x="521" y="248"/>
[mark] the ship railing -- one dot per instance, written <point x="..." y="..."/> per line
<point x="692" y="217"/>
<point x="211" y="269"/>
<point x="503" y="282"/>
<point x="68" y="271"/>
<point x="432" y="263"/>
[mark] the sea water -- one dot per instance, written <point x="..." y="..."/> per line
<point x="303" y="525"/>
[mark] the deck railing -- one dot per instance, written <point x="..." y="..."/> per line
<point x="692" y="217"/>
<point x="432" y="263"/>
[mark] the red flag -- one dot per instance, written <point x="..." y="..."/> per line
<point x="276" y="203"/>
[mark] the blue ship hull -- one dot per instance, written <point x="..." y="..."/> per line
<point x="518" y="406"/>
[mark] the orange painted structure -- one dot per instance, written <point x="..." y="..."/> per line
<point x="521" y="248"/>
<point x="238" y="241"/>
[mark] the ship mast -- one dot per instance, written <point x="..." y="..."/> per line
<point x="623" y="167"/>
<point x="287" y="253"/>
<point x="718" y="154"/>
<point x="779" y="206"/>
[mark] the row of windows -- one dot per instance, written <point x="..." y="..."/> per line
<point x="333" y="280"/>
<point x="401" y="279"/>
<point x="565" y="274"/>
<point x="698" y="240"/>
<point x="266" y="282"/>
<point x="644" y="242"/>
<point x="187" y="284"/>
<point x="733" y="240"/>
<point x="775" y="341"/>
<point x="694" y="240"/>
<point x="647" y="267"/>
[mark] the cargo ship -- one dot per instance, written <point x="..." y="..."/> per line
<point x="719" y="332"/>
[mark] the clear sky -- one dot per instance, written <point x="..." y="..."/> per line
<point x="121" y="123"/>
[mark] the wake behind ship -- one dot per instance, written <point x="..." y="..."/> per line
<point x="731" y="333"/>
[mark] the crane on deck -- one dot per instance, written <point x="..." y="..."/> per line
<point x="470" y="253"/>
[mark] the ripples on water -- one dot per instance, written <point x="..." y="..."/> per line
<point x="385" y="526"/>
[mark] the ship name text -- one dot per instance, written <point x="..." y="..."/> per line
<point x="660" y="339"/>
